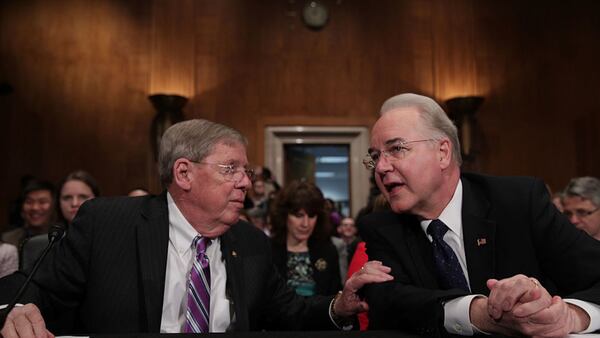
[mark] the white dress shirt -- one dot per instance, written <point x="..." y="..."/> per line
<point x="456" y="311"/>
<point x="179" y="263"/>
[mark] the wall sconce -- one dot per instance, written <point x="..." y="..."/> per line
<point x="462" y="111"/>
<point x="169" y="111"/>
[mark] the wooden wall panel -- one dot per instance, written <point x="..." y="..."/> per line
<point x="82" y="71"/>
<point x="79" y="69"/>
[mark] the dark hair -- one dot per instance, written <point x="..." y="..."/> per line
<point x="83" y="176"/>
<point x="36" y="185"/>
<point x="77" y="175"/>
<point x="294" y="197"/>
<point x="266" y="173"/>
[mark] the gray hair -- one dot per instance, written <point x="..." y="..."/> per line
<point x="194" y="140"/>
<point x="586" y="187"/>
<point x="433" y="116"/>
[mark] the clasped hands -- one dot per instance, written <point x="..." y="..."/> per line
<point x="520" y="305"/>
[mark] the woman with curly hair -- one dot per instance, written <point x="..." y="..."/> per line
<point x="302" y="251"/>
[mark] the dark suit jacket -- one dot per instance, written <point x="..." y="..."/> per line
<point x="523" y="233"/>
<point x="108" y="273"/>
<point x="326" y="276"/>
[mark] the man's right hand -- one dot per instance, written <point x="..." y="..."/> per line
<point x="25" y="321"/>
<point x="349" y="303"/>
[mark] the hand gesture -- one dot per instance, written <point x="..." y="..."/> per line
<point x="349" y="303"/>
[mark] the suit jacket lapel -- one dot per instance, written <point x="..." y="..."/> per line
<point x="421" y="253"/>
<point x="235" y="282"/>
<point x="479" y="237"/>
<point x="404" y="228"/>
<point x="152" y="243"/>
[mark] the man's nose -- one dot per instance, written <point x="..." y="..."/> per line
<point x="383" y="165"/>
<point x="244" y="183"/>
<point x="574" y="219"/>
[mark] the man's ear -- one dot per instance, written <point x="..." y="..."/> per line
<point x="182" y="175"/>
<point x="445" y="153"/>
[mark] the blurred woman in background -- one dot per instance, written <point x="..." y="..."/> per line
<point x="302" y="251"/>
<point x="76" y="188"/>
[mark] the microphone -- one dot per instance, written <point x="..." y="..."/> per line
<point x="56" y="233"/>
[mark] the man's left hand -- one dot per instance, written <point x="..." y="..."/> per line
<point x="557" y="320"/>
<point x="526" y="307"/>
<point x="349" y="303"/>
<point x="519" y="295"/>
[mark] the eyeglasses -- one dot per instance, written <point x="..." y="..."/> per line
<point x="232" y="172"/>
<point x="395" y="150"/>
<point x="580" y="213"/>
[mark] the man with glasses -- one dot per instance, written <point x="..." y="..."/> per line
<point x="469" y="253"/>
<point x="581" y="203"/>
<point x="176" y="262"/>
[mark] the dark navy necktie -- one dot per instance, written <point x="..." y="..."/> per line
<point x="450" y="274"/>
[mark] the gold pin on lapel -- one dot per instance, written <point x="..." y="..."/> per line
<point x="233" y="253"/>
<point x="481" y="241"/>
<point x="321" y="264"/>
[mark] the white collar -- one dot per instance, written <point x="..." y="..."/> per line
<point x="181" y="232"/>
<point x="451" y="215"/>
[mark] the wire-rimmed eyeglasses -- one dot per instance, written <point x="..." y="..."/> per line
<point x="580" y="213"/>
<point x="232" y="172"/>
<point x="395" y="149"/>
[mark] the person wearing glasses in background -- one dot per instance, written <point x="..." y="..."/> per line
<point x="177" y="262"/>
<point x="469" y="253"/>
<point x="581" y="203"/>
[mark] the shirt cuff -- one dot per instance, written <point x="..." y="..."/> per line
<point x="593" y="310"/>
<point x="456" y="315"/>
<point x="340" y="324"/>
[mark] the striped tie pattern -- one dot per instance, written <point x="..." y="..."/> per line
<point x="198" y="303"/>
<point x="450" y="273"/>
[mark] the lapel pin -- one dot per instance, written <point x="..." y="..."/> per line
<point x="481" y="241"/>
<point x="321" y="264"/>
<point x="233" y="253"/>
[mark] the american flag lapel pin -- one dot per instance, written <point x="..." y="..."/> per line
<point x="481" y="241"/>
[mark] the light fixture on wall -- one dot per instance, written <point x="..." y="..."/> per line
<point x="168" y="112"/>
<point x="462" y="110"/>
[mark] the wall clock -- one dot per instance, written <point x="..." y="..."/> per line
<point x="315" y="15"/>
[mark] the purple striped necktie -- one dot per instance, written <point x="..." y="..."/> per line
<point x="198" y="295"/>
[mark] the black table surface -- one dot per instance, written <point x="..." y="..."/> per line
<point x="287" y="334"/>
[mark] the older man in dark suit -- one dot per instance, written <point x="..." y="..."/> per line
<point x="177" y="262"/>
<point x="469" y="253"/>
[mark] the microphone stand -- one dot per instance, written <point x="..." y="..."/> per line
<point x="53" y="236"/>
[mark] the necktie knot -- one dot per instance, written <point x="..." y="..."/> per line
<point x="201" y="244"/>
<point x="437" y="229"/>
